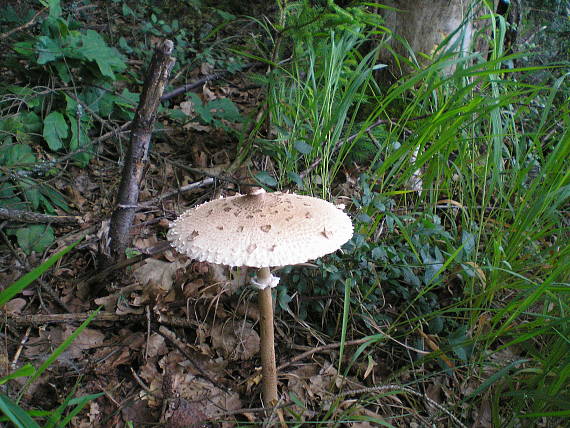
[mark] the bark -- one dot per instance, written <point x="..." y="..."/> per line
<point x="33" y="217"/>
<point x="425" y="24"/>
<point x="137" y="154"/>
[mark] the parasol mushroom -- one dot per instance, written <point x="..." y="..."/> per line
<point x="261" y="230"/>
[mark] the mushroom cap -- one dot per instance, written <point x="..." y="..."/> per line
<point x="260" y="230"/>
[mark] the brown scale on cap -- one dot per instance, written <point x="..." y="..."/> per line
<point x="261" y="230"/>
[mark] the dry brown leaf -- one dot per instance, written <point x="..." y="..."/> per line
<point x="207" y="93"/>
<point x="206" y="68"/>
<point x="156" y="345"/>
<point x="483" y="418"/>
<point x="187" y="107"/>
<point x="158" y="273"/>
<point x="478" y="271"/>
<point x="235" y="340"/>
<point x="89" y="338"/>
<point x="197" y="127"/>
<point x="14" y="306"/>
<point x="320" y="384"/>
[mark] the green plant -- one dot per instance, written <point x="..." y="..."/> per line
<point x="474" y="262"/>
<point x="62" y="415"/>
<point x="36" y="115"/>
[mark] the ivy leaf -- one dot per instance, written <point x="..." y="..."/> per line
<point x="55" y="129"/>
<point x="264" y="178"/>
<point x="31" y="191"/>
<point x="295" y="178"/>
<point x="95" y="49"/>
<point x="34" y="238"/>
<point x="224" y="108"/>
<point x="303" y="147"/>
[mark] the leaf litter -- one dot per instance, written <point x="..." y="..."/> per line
<point x="204" y="366"/>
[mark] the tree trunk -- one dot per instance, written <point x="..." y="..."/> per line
<point x="420" y="26"/>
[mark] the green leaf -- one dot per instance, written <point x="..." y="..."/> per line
<point x="54" y="197"/>
<point x="15" y="413"/>
<point x="295" y="178"/>
<point x="16" y="154"/>
<point x="79" y="137"/>
<point x="48" y="49"/>
<point x="31" y="121"/>
<point x="31" y="192"/>
<point x="54" y="8"/>
<point x="468" y="241"/>
<point x="302" y="147"/>
<point x="35" y="238"/>
<point x="95" y="49"/>
<point x="379" y="253"/>
<point x="79" y="403"/>
<point x="264" y="178"/>
<point x="460" y="343"/>
<point x="15" y="288"/>
<point x="203" y="112"/>
<point x="24" y="371"/>
<point x="177" y="115"/>
<point x="224" y="108"/>
<point x="55" y="129"/>
<point x="26" y="49"/>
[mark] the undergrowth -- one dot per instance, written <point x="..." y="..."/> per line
<point x="457" y="176"/>
<point x="461" y="204"/>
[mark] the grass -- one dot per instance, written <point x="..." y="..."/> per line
<point x="490" y="223"/>
<point x="70" y="407"/>
<point x="463" y="283"/>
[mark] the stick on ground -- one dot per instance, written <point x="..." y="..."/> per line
<point x="137" y="155"/>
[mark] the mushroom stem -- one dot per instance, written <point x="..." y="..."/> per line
<point x="268" y="367"/>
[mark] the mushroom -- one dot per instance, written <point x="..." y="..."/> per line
<point x="261" y="230"/>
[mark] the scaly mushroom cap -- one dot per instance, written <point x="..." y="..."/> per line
<point x="261" y="230"/>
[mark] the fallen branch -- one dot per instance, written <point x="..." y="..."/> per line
<point x="32" y="217"/>
<point x="321" y="349"/>
<point x="137" y="155"/>
<point x="188" y="187"/>
<point x="39" y="319"/>
<point x="193" y="85"/>
<point x="189" y="86"/>
<point x="24" y="26"/>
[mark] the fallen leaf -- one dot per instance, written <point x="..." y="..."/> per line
<point x="156" y="345"/>
<point x="235" y="340"/>
<point x="14" y="306"/>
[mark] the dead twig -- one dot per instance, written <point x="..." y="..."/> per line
<point x="23" y="26"/>
<point x="32" y="217"/>
<point x="20" y="348"/>
<point x="189" y="86"/>
<point x="171" y="337"/>
<point x="137" y="156"/>
<point x="193" y="85"/>
<point x="321" y="349"/>
<point x="202" y="183"/>
<point x="384" y="388"/>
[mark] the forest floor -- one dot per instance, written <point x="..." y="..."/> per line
<point x="176" y="340"/>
